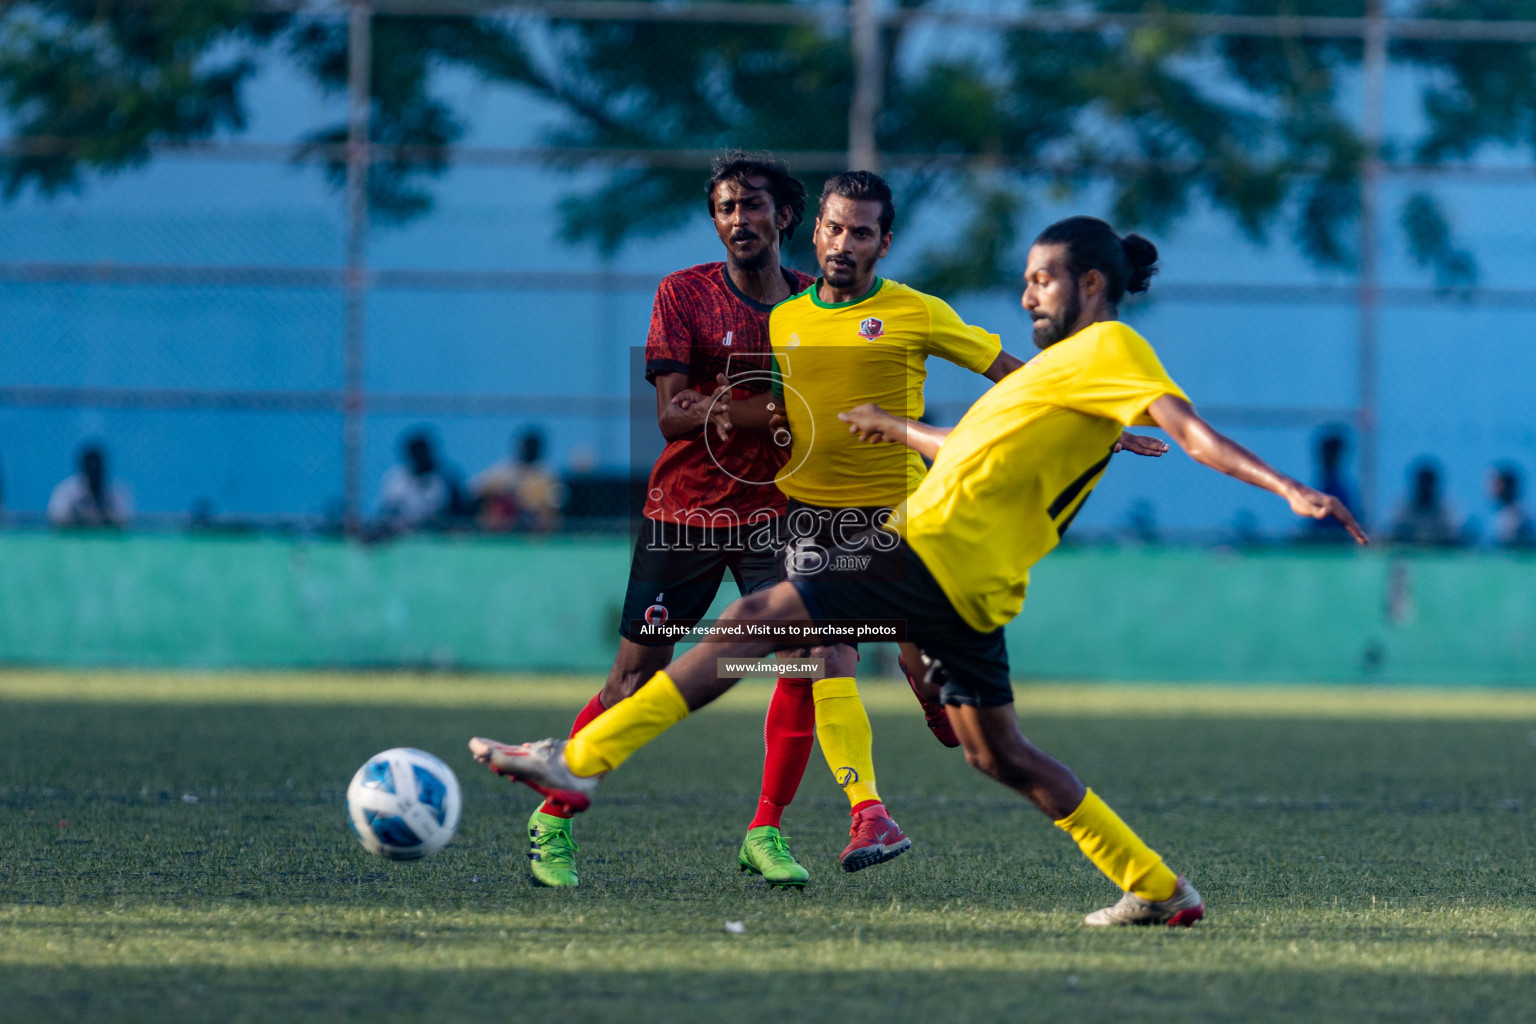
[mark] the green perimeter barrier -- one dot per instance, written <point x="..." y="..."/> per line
<point x="552" y="604"/>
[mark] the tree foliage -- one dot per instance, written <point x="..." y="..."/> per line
<point x="1256" y="128"/>
<point x="93" y="84"/>
<point x="412" y="126"/>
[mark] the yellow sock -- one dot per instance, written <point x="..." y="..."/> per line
<point x="842" y="728"/>
<point x="1117" y="851"/>
<point x="610" y="738"/>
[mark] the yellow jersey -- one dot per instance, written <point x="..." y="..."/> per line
<point x="831" y="357"/>
<point x="1021" y="462"/>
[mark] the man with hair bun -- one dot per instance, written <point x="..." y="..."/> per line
<point x="1089" y="244"/>
<point x="1005" y="484"/>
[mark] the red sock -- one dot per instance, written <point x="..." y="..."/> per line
<point x="788" y="733"/>
<point x="873" y="806"/>
<point x="592" y="710"/>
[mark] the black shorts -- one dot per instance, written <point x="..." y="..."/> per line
<point x="812" y="533"/>
<point x="972" y="667"/>
<point x="676" y="571"/>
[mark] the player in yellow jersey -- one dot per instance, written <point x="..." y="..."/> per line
<point x="1006" y="482"/>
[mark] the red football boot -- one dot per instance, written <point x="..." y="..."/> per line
<point x="933" y="712"/>
<point x="873" y="839"/>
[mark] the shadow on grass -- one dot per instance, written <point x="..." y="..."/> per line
<point x="779" y="992"/>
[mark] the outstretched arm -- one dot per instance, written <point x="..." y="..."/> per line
<point x="876" y="426"/>
<point x="1210" y="448"/>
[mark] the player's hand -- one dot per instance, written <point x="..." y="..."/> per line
<point x="694" y="405"/>
<point x="873" y="424"/>
<point x="778" y="426"/>
<point x="686" y="400"/>
<point x="720" y="407"/>
<point x="1316" y="505"/>
<point x="701" y="408"/>
<point x="1139" y="444"/>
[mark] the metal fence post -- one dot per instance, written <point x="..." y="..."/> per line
<point x="1374" y="67"/>
<point x="868" y="84"/>
<point x="359" y="103"/>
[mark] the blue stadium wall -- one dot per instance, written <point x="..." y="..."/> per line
<point x="552" y="605"/>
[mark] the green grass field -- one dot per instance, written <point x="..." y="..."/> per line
<point x="174" y="848"/>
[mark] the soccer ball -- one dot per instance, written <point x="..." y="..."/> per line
<point x="404" y="804"/>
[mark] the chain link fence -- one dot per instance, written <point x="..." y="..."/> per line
<point x="251" y="363"/>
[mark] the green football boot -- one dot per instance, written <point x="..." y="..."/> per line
<point x="765" y="852"/>
<point x="551" y="850"/>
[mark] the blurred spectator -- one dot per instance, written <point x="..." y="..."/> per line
<point x="202" y="515"/>
<point x="334" y="520"/>
<point x="1512" y="528"/>
<point x="1141" y="523"/>
<point x="582" y="460"/>
<point x="1423" y="518"/>
<point x="518" y="492"/>
<point x="87" y="498"/>
<point x="1246" y="531"/>
<point x="416" y="494"/>
<point x="1331" y="446"/>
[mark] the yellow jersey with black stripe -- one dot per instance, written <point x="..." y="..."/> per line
<point x="831" y="357"/>
<point x="1019" y="465"/>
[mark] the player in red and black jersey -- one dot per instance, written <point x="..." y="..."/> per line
<point x="712" y="504"/>
<point x="703" y="326"/>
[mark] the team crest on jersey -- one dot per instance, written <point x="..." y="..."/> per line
<point x="656" y="614"/>
<point x="871" y="328"/>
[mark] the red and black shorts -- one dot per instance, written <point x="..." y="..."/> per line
<point x="677" y="570"/>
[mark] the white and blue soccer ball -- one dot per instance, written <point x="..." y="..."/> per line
<point x="404" y="804"/>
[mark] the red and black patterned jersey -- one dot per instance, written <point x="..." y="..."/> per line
<point x="703" y="326"/>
